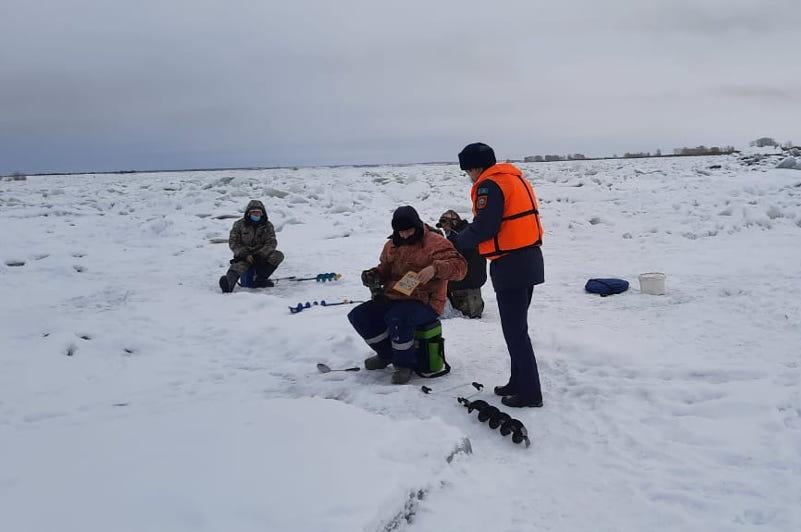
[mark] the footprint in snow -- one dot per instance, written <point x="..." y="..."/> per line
<point x="791" y="416"/>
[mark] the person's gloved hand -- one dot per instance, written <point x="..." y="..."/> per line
<point x="448" y="221"/>
<point x="371" y="278"/>
<point x="378" y="296"/>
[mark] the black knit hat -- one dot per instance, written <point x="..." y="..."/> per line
<point x="476" y="155"/>
<point x="405" y="218"/>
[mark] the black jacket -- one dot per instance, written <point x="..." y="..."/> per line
<point x="476" y="264"/>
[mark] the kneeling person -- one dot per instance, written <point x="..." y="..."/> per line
<point x="465" y="295"/>
<point x="389" y="320"/>
<point x="253" y="242"/>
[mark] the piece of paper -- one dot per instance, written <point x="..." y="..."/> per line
<point x="407" y="284"/>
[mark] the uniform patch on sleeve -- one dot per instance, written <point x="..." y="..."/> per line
<point x="483" y="191"/>
<point x="481" y="201"/>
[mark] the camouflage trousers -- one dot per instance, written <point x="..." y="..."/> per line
<point x="263" y="263"/>
<point x="467" y="301"/>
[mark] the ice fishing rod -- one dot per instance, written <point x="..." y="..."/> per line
<point x="320" y="278"/>
<point x="323" y="368"/>
<point x="477" y="385"/>
<point x="300" y="307"/>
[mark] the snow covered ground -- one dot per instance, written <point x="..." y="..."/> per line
<point x="135" y="396"/>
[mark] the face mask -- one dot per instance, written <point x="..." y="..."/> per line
<point x="254" y="218"/>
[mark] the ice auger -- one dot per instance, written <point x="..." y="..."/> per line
<point x="497" y="420"/>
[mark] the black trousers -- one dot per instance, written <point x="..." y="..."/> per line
<point x="513" y="307"/>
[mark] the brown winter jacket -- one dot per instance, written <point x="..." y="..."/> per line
<point x="433" y="249"/>
<point x="250" y="238"/>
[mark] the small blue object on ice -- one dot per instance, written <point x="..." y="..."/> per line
<point x="246" y="279"/>
<point x="606" y="287"/>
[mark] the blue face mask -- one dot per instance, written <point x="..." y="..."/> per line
<point x="254" y="218"/>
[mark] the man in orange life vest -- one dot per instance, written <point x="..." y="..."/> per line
<point x="507" y="230"/>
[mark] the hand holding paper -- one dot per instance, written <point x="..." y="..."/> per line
<point x="407" y="284"/>
<point x="426" y="274"/>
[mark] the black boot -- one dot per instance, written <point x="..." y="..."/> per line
<point x="263" y="272"/>
<point x="376" y="362"/>
<point x="401" y="375"/>
<point x="228" y="281"/>
<point x="506" y="389"/>
<point x="518" y="401"/>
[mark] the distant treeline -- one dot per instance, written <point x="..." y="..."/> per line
<point x="678" y="152"/>
<point x="703" y="150"/>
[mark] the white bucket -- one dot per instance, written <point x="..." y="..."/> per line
<point x="653" y="283"/>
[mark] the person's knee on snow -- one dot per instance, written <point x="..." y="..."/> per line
<point x="467" y="301"/>
<point x="475" y="303"/>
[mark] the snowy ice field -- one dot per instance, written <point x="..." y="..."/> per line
<point x="136" y="397"/>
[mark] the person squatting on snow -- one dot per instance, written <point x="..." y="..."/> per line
<point x="465" y="295"/>
<point x="253" y="242"/>
<point x="507" y="230"/>
<point x="389" y="320"/>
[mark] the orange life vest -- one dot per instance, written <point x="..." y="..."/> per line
<point x="520" y="225"/>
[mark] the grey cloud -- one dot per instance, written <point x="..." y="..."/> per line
<point x="104" y="85"/>
<point x="762" y="94"/>
<point x="712" y="17"/>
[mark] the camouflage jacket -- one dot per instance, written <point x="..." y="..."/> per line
<point x="249" y="238"/>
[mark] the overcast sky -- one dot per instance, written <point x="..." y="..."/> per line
<point x="111" y="84"/>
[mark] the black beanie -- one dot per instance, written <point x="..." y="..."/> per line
<point x="405" y="218"/>
<point x="476" y="155"/>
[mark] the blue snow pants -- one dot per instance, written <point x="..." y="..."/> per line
<point x="388" y="328"/>
<point x="513" y="308"/>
